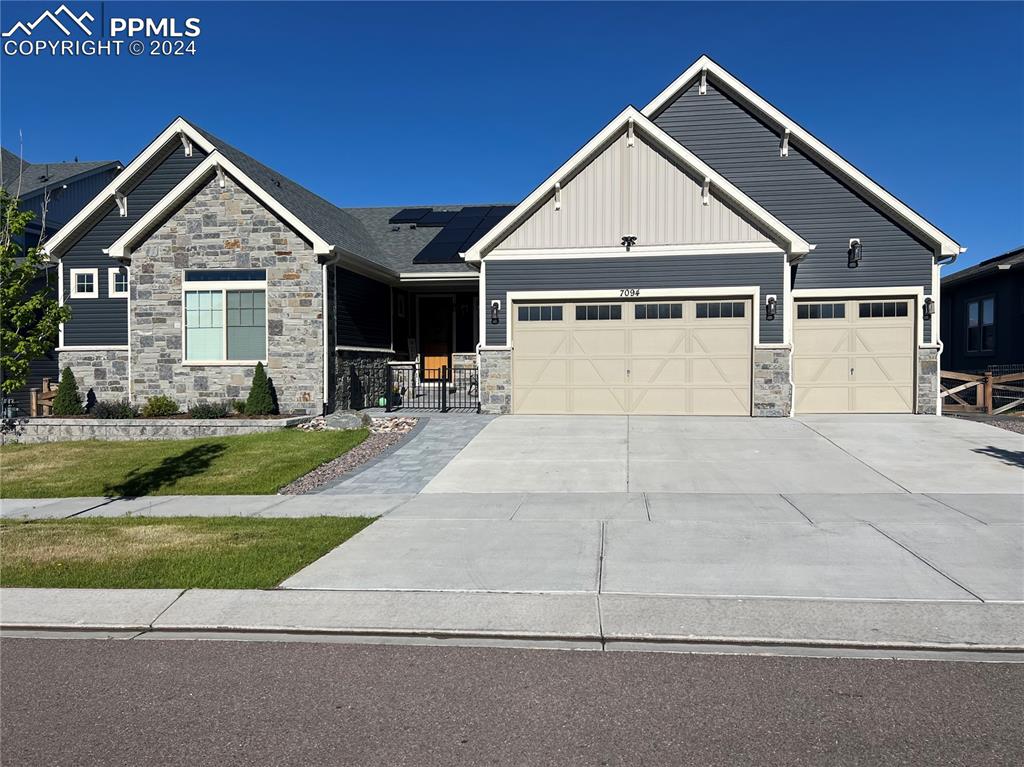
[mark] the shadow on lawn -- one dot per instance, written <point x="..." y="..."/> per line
<point x="146" y="482"/>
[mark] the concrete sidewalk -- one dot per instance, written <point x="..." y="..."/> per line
<point x="584" y="621"/>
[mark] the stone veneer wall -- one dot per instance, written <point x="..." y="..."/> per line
<point x="772" y="392"/>
<point x="361" y="378"/>
<point x="927" y="380"/>
<point x="104" y="373"/>
<point x="227" y="229"/>
<point x="495" y="381"/>
<point x="37" y="430"/>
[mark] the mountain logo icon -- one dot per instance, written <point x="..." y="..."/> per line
<point x="63" y="18"/>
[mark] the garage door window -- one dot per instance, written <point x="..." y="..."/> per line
<point x="658" y="311"/>
<point x="540" y="313"/>
<point x="821" y="311"/>
<point x="716" y="309"/>
<point x="884" y="309"/>
<point x="599" y="312"/>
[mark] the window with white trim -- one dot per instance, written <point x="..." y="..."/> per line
<point x="599" y="312"/>
<point x="225" y="315"/>
<point x="117" y="282"/>
<point x="716" y="309"/>
<point x="658" y="311"/>
<point x="540" y="314"/>
<point x="85" y="283"/>
<point x="805" y="311"/>
<point x="981" y="325"/>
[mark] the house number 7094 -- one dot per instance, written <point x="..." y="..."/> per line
<point x="629" y="292"/>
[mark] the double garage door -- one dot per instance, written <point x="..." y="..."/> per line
<point x="642" y="358"/>
<point x="693" y="357"/>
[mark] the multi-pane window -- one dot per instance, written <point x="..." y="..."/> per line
<point x="658" y="311"/>
<point x="820" y="311"/>
<point x="117" y="282"/>
<point x="540" y="313"/>
<point x="981" y="325"/>
<point x="225" y="319"/>
<point x="883" y="309"/>
<point x="599" y="312"/>
<point x="84" y="283"/>
<point x="716" y="309"/>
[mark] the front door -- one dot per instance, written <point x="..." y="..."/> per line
<point x="435" y="335"/>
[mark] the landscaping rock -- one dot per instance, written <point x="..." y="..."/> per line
<point x="346" y="419"/>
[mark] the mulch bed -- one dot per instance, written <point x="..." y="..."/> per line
<point x="384" y="434"/>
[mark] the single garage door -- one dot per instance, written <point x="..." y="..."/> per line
<point x="652" y="358"/>
<point x="854" y="356"/>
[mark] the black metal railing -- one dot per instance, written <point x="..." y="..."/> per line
<point x="442" y="389"/>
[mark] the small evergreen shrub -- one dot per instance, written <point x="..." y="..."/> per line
<point x="261" y="397"/>
<point x="68" y="400"/>
<point x="159" y="407"/>
<point x="239" y="406"/>
<point x="114" y="410"/>
<point x="209" y="410"/>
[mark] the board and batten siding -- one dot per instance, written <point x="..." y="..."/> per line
<point x="801" y="193"/>
<point x="103" y="321"/>
<point x="363" y="311"/>
<point x="643" y="272"/>
<point x="630" y="190"/>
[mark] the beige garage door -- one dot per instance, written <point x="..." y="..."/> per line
<point x="854" y="356"/>
<point x="652" y="358"/>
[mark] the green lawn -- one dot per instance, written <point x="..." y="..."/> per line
<point x="255" y="464"/>
<point x="179" y="553"/>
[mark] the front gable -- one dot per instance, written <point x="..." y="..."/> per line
<point x="631" y="188"/>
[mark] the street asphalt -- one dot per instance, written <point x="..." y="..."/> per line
<point x="85" y="702"/>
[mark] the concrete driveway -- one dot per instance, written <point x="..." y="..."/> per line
<point x="814" y="454"/>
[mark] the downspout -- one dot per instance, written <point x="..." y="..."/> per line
<point x="323" y="278"/>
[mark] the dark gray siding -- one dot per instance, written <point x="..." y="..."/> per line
<point x="1007" y="288"/>
<point x="364" y="311"/>
<point x="65" y="203"/>
<point x="801" y="193"/>
<point x="103" y="321"/>
<point x="666" y="272"/>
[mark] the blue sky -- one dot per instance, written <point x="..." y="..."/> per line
<point x="432" y="103"/>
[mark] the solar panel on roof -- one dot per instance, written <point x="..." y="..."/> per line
<point x="437" y="218"/>
<point x="464" y="228"/>
<point x="409" y="215"/>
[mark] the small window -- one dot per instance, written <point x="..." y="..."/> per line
<point x="599" y="312"/>
<point x="716" y="309"/>
<point x="117" y="282"/>
<point x="981" y="325"/>
<point x="658" y="311"/>
<point x="85" y="283"/>
<point x="820" y="311"/>
<point x="883" y="309"/>
<point x="540" y="313"/>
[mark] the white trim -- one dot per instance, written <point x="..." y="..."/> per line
<point x="112" y="273"/>
<point x="752" y="292"/>
<point x="323" y="325"/>
<point x="946" y="245"/>
<point x="60" y="300"/>
<point x="128" y="313"/>
<point x="224" y="286"/>
<point x="495" y="349"/>
<point x="221" y="363"/>
<point x="364" y="349"/>
<point x="117" y="348"/>
<point x="122" y="247"/>
<point x="435" y="276"/>
<point x="482" y="338"/>
<point x="856" y="294"/>
<point x="94" y="293"/>
<point x="639" y="251"/>
<point x="179" y="126"/>
<point x="795" y="245"/>
<point x="787" y="302"/>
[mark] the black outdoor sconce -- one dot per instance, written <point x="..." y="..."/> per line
<point x="928" y="309"/>
<point x="495" y="308"/>
<point x="628" y="241"/>
<point x="769" y="307"/>
<point x="854" y="254"/>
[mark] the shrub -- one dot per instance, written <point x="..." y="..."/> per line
<point x="239" y="406"/>
<point x="261" y="398"/>
<point x="114" y="410"/>
<point x="159" y="406"/>
<point x="209" y="410"/>
<point x="68" y="400"/>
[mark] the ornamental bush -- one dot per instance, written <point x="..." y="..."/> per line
<point x="68" y="400"/>
<point x="159" y="406"/>
<point x="261" y="396"/>
<point x="209" y="410"/>
<point x="114" y="410"/>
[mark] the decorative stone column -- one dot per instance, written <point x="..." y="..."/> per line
<point x="927" y="380"/>
<point x="772" y="391"/>
<point x="496" y="381"/>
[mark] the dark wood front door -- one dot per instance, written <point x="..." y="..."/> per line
<point x="435" y="335"/>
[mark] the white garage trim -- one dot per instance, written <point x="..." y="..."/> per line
<point x="613" y="294"/>
<point x="638" y="251"/>
<point x="917" y="293"/>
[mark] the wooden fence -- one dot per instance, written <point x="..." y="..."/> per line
<point x="41" y="402"/>
<point x="981" y="392"/>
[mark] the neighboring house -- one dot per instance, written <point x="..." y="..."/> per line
<point x="53" y="192"/>
<point x="983" y="316"/>
<point x="703" y="255"/>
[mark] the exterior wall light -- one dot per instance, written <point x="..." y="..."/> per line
<point x="854" y="254"/>
<point x="928" y="309"/>
<point x="628" y="241"/>
<point x="495" y="308"/>
<point x="769" y="307"/>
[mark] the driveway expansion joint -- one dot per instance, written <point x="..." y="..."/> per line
<point x="924" y="561"/>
